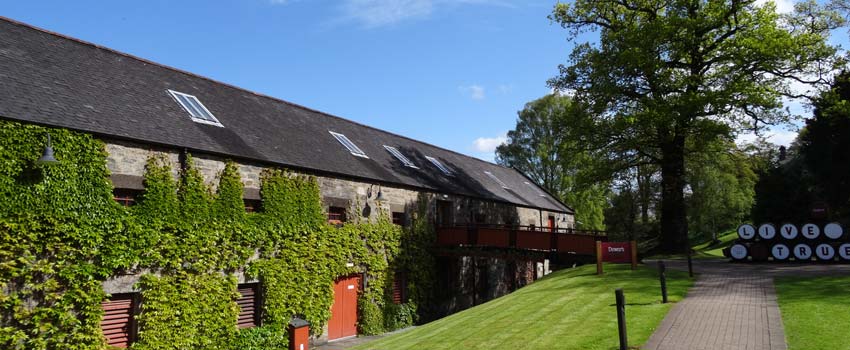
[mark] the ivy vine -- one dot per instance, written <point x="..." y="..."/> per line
<point x="62" y="235"/>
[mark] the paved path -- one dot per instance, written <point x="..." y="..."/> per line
<point x="348" y="343"/>
<point x="730" y="307"/>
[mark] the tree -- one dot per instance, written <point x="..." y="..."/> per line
<point x="544" y="146"/>
<point x="722" y="183"/>
<point x="670" y="76"/>
<point x="825" y="146"/>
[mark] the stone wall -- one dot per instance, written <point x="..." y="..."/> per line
<point x="129" y="159"/>
<point x="464" y="281"/>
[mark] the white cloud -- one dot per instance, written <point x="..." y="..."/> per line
<point x="475" y="91"/>
<point x="488" y="144"/>
<point x="377" y="13"/>
<point x="777" y="137"/>
<point x="782" y="6"/>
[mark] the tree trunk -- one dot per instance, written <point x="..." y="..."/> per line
<point x="674" y="224"/>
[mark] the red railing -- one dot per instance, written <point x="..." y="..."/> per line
<point x="562" y="240"/>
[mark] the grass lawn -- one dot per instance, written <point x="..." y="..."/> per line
<point x="815" y="311"/>
<point x="569" y="309"/>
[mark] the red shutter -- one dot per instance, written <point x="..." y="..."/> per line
<point x="117" y="322"/>
<point x="399" y="286"/>
<point x="247" y="303"/>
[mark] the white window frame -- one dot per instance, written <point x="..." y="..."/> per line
<point x="401" y="157"/>
<point x="500" y="182"/>
<point x="442" y="167"/>
<point x="188" y="109"/>
<point x="349" y="145"/>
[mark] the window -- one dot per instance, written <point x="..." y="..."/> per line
<point x="336" y="215"/>
<point x="248" y="305"/>
<point x="350" y="146"/>
<point x="125" y="196"/>
<point x="496" y="179"/>
<point x="395" y="152"/>
<point x="439" y="165"/>
<point x="196" y="109"/>
<point x="253" y="205"/>
<point x="118" y="323"/>
<point x="536" y="189"/>
<point x="398" y="218"/>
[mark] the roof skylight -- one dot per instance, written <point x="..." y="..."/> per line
<point x="439" y="165"/>
<point x="539" y="192"/>
<point x="348" y="144"/>
<point x="196" y="109"/>
<point x="496" y="179"/>
<point x="395" y="152"/>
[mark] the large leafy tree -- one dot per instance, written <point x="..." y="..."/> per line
<point x="722" y="182"/>
<point x="545" y="146"/>
<point x="825" y="145"/>
<point x="667" y="77"/>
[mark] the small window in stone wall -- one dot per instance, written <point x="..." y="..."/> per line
<point x="118" y="323"/>
<point x="336" y="215"/>
<point x="125" y="196"/>
<point x="253" y="205"/>
<point x="399" y="218"/>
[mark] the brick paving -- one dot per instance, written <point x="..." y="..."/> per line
<point x="731" y="307"/>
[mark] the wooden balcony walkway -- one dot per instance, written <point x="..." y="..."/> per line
<point x="560" y="240"/>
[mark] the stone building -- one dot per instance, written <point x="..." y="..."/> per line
<point x="140" y="108"/>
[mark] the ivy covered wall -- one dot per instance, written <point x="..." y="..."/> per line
<point x="62" y="235"/>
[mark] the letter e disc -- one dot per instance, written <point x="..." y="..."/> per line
<point x="844" y="251"/>
<point x="810" y="231"/>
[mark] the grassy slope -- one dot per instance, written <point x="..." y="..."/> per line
<point x="570" y="309"/>
<point x="815" y="311"/>
<point x="705" y="250"/>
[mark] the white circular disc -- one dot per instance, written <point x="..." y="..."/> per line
<point x="746" y="231"/>
<point x="825" y="252"/>
<point x="844" y="251"/>
<point x="767" y="231"/>
<point x="833" y="230"/>
<point x="780" y="252"/>
<point x="788" y="231"/>
<point x="802" y="252"/>
<point x="810" y="231"/>
<point x="738" y="252"/>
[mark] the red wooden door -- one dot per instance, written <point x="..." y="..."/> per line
<point x="343" y="321"/>
<point x="552" y="223"/>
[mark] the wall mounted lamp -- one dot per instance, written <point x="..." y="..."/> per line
<point x="47" y="157"/>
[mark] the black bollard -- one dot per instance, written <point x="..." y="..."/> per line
<point x="690" y="266"/>
<point x="662" y="275"/>
<point x="621" y="318"/>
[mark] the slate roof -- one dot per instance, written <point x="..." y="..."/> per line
<point x="50" y="79"/>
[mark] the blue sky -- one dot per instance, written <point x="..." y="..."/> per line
<point x="449" y="72"/>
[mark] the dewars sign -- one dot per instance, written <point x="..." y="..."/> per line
<point x="617" y="252"/>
